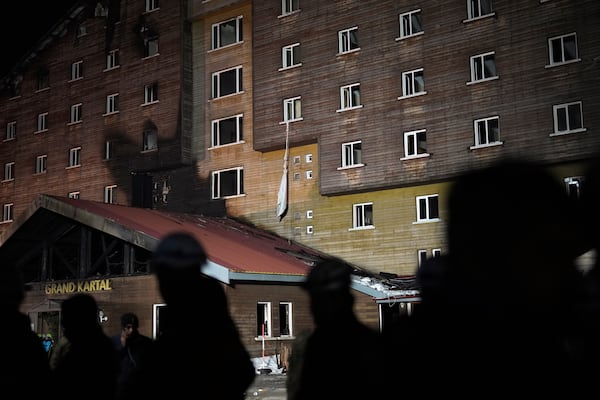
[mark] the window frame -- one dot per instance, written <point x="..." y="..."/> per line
<point x="42" y="122"/>
<point x="410" y="81"/>
<point x="112" y="60"/>
<point x="151" y="48"/>
<point x="480" y="123"/>
<point x="150" y="139"/>
<point x="150" y="93"/>
<point x="217" y="82"/>
<point x="74" y="157"/>
<point x="151" y="5"/>
<point x="289" y="7"/>
<point x="43" y="79"/>
<point x="11" y="130"/>
<point x="425" y="202"/>
<point x="217" y="134"/>
<point x="348" y="97"/>
<point x="475" y="9"/>
<point x="112" y="104"/>
<point x="556" y="118"/>
<point x="477" y="70"/>
<point x="8" y="212"/>
<point x="290" y="56"/>
<point x="265" y="306"/>
<point x="109" y="150"/>
<point x="362" y="216"/>
<point x="76" y="113"/>
<point x="77" y="70"/>
<point x="41" y="164"/>
<point x="217" y="32"/>
<point x="74" y="195"/>
<point x="561" y="43"/>
<point x="110" y="194"/>
<point x="348" y="40"/>
<point x="286" y="328"/>
<point x="217" y="182"/>
<point x="412" y="142"/>
<point x="350" y="152"/>
<point x="9" y="172"/>
<point x="292" y="105"/>
<point x="406" y="24"/>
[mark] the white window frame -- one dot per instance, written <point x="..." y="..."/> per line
<point x="362" y="216"/>
<point x="421" y="257"/>
<point x="151" y="46"/>
<point x="151" y="93"/>
<point x="77" y="70"/>
<point x="9" y="171"/>
<point x="150" y="139"/>
<point x="112" y="59"/>
<point x="110" y="194"/>
<point x="479" y="9"/>
<point x="286" y="314"/>
<point x="217" y="78"/>
<point x="565" y="112"/>
<point x="42" y="122"/>
<point x="352" y="154"/>
<point x="478" y="67"/>
<point x="74" y="157"/>
<point x="290" y="56"/>
<point x="7" y="212"/>
<point x="410" y="24"/>
<point x="560" y="47"/>
<point x="348" y="40"/>
<point x="425" y="205"/>
<point x="412" y="144"/>
<point x="266" y="319"/>
<point x="220" y="28"/>
<point x="217" y="181"/>
<point x="289" y="6"/>
<point x="350" y="97"/>
<point x="435" y="253"/>
<point x="41" y="164"/>
<point x="413" y="83"/>
<point x="573" y="186"/>
<point x="292" y="109"/>
<point x="484" y="130"/>
<point x="237" y="134"/>
<point x="151" y="5"/>
<point x="109" y="150"/>
<point x="11" y="130"/>
<point x="74" y="195"/>
<point x="112" y="104"/>
<point x="76" y="114"/>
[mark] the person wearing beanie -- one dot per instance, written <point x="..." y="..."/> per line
<point x="198" y="349"/>
<point x="130" y="344"/>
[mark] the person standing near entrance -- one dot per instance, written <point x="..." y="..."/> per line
<point x="130" y="344"/>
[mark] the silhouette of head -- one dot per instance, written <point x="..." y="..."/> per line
<point x="79" y="316"/>
<point x="128" y="319"/>
<point x="12" y="289"/>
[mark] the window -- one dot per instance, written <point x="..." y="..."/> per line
<point x="41" y="164"/>
<point x="110" y="194"/>
<point x="227" y="32"/>
<point x="227" y="82"/>
<point x="421" y="256"/>
<point x="427" y="208"/>
<point x="7" y="212"/>
<point x="112" y="103"/>
<point x="150" y="139"/>
<point x="563" y="49"/>
<point x="81" y="29"/>
<point x="263" y="319"/>
<point x="352" y="154"/>
<point x="74" y="195"/>
<point x="227" y="183"/>
<point x="42" y="122"/>
<point x="308" y="158"/>
<point x="309" y="174"/>
<point x="478" y="8"/>
<point x="9" y="171"/>
<point x="487" y="131"/>
<point x="292" y="109"/>
<point x="410" y="23"/>
<point x="309" y="214"/>
<point x="150" y="45"/>
<point x="151" y="5"/>
<point x="112" y="59"/>
<point x="75" y="113"/>
<point x="290" y="56"/>
<point x="573" y="186"/>
<point x="43" y="79"/>
<point x="568" y="118"/>
<point x="285" y="318"/>
<point x="350" y="97"/>
<point x="151" y="93"/>
<point x="435" y="253"/>
<point x="11" y="130"/>
<point x="75" y="157"/>
<point x="413" y="83"/>
<point x="415" y="144"/>
<point x="227" y="130"/>
<point x="289" y="6"/>
<point x="109" y="150"/>
<point x="483" y="67"/>
<point x="362" y="216"/>
<point x="348" y="40"/>
<point x="77" y="70"/>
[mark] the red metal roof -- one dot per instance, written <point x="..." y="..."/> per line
<point x="236" y="246"/>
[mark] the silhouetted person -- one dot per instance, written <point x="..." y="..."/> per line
<point x="341" y="358"/>
<point x="199" y="349"/>
<point x="90" y="367"/>
<point x="130" y="344"/>
<point x="500" y="308"/>
<point x="25" y="371"/>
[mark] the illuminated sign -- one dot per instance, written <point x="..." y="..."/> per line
<point x="96" y="285"/>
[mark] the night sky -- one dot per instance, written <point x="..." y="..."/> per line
<point x="23" y="23"/>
